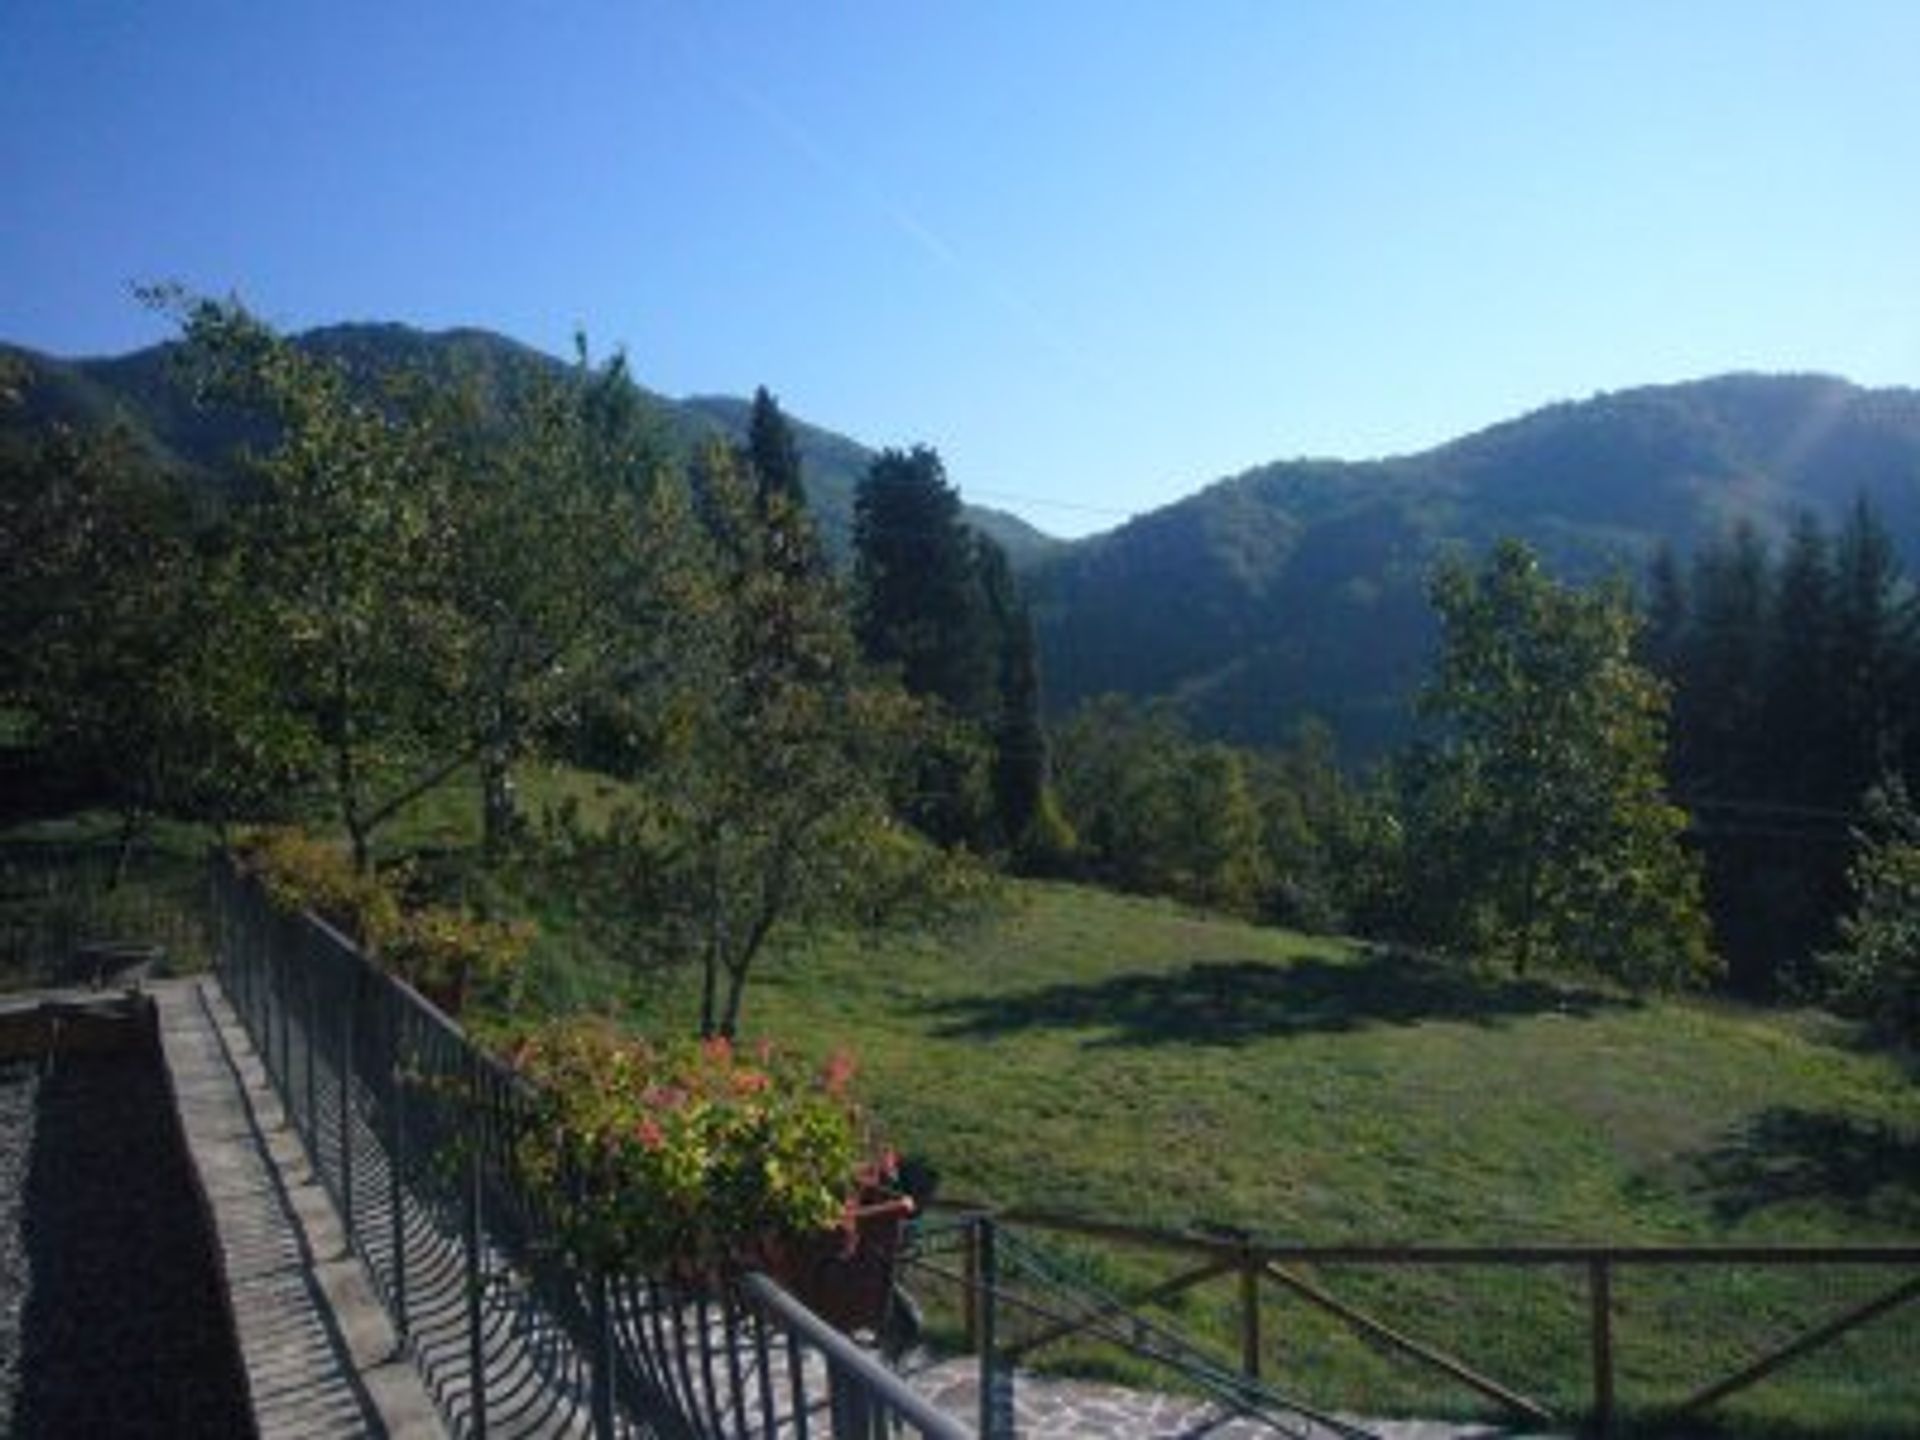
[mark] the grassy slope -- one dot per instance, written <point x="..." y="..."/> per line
<point x="1133" y="1060"/>
<point x="1128" y="1059"/>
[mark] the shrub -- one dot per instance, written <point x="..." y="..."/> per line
<point x="441" y="951"/>
<point x="683" y="1160"/>
<point x="300" y="872"/>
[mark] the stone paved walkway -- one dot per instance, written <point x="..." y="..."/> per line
<point x="1046" y="1408"/>
<point x="320" y="1354"/>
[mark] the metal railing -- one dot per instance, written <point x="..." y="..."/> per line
<point x="1017" y="1298"/>
<point x="413" y="1132"/>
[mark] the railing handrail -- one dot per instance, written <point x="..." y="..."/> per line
<point x="1223" y="1252"/>
<point x="629" y="1335"/>
<point x="847" y="1358"/>
<point x="1232" y="1246"/>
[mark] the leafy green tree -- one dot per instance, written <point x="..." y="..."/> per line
<point x="544" y="618"/>
<point x="763" y="808"/>
<point x="1875" y="970"/>
<point x="1543" y="815"/>
<point x="346" y="559"/>
<point x="125" y="649"/>
<point x="1157" y="812"/>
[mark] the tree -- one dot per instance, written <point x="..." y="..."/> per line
<point x="544" y="618"/>
<point x="346" y="559"/>
<point x="125" y="651"/>
<point x="1796" y="735"/>
<point x="1873" y="642"/>
<point x="1718" y="704"/>
<point x="1156" y="811"/>
<point x="1029" y="826"/>
<point x="1875" y="971"/>
<point x="763" y="807"/>
<point x="1542" y="811"/>
<point x="919" y="607"/>
<point x="773" y="458"/>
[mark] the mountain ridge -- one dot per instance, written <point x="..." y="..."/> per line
<point x="139" y="387"/>
<point x="1297" y="587"/>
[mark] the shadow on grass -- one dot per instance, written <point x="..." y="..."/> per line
<point x="1232" y="1002"/>
<point x="1786" y="1154"/>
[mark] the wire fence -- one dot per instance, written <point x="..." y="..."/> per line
<point x="414" y="1133"/>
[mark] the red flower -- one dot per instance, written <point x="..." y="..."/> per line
<point x="839" y="1072"/>
<point x="649" y="1133"/>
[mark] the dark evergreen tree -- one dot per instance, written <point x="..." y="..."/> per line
<point x="1873" y="638"/>
<point x="772" y="455"/>
<point x="1663" y="638"/>
<point x="920" y="604"/>
<point x="1718" y="705"/>
<point x="1796" y="737"/>
<point x="772" y="459"/>
<point x="1019" y="741"/>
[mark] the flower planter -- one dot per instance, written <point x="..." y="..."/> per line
<point x="845" y="1275"/>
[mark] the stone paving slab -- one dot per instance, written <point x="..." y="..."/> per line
<point x="1048" y="1408"/>
<point x="321" y="1356"/>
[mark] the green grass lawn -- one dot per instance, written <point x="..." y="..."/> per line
<point x="1132" y="1060"/>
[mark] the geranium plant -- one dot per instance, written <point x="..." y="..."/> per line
<point x="688" y="1160"/>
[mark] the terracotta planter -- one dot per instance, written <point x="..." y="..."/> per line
<point x="845" y="1275"/>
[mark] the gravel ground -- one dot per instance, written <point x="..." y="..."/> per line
<point x="19" y="1087"/>
<point x="113" y="1312"/>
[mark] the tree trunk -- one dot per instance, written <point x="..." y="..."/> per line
<point x="499" y="810"/>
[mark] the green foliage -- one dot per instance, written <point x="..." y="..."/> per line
<point x="762" y="804"/>
<point x="443" y="952"/>
<point x="773" y="459"/>
<point x="343" y="553"/>
<point x="939" y="606"/>
<point x="684" y="1160"/>
<point x="1793" y="684"/>
<point x="127" y="653"/>
<point x="1157" y="812"/>
<point x="1540" y="826"/>
<point x="1297" y="588"/>
<point x="1875" y="970"/>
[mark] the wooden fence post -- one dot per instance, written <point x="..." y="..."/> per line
<point x="1600" y="1294"/>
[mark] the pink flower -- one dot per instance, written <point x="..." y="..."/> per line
<point x="839" y="1072"/>
<point x="663" y="1097"/>
<point x="649" y="1133"/>
<point x="750" y="1082"/>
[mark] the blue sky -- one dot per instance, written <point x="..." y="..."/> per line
<point x="1097" y="254"/>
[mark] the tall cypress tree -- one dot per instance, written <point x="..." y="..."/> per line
<point x="920" y="604"/>
<point x="772" y="455"/>
<point x="1020" y="744"/>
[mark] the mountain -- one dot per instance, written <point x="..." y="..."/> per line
<point x="143" y="389"/>
<point x="1298" y="587"/>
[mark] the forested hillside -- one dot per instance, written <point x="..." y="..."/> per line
<point x="144" y="390"/>
<point x="1298" y="588"/>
